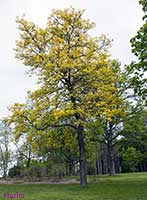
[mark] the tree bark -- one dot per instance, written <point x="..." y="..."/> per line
<point x="110" y="153"/>
<point x="71" y="168"/>
<point x="83" y="168"/>
<point x="111" y="164"/>
<point x="98" y="159"/>
<point x="28" y="162"/>
<point x="99" y="166"/>
<point x="5" y="172"/>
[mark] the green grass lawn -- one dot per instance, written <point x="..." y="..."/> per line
<point x="120" y="187"/>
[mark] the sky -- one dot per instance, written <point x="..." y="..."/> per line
<point x="118" y="19"/>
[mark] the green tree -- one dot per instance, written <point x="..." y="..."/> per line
<point x="138" y="69"/>
<point x="131" y="159"/>
<point x="134" y="133"/>
<point x="144" y="5"/>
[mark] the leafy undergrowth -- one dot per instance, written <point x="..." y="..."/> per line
<point x="120" y="187"/>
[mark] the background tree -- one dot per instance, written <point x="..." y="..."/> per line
<point x="111" y="122"/>
<point x="5" y="147"/>
<point x="134" y="135"/>
<point x="138" y="69"/>
<point x="24" y="151"/>
<point x="131" y="159"/>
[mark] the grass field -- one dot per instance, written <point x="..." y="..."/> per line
<point x="121" y="187"/>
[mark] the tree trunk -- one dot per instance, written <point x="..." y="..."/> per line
<point x="110" y="154"/>
<point x="5" y="173"/>
<point x="83" y="173"/>
<point x="99" y="166"/>
<point x="111" y="164"/>
<point x="71" y="168"/>
<point x="118" y="165"/>
<point x="98" y="159"/>
<point x="28" y="162"/>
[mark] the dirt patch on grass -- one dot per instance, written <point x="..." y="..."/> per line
<point x="50" y="181"/>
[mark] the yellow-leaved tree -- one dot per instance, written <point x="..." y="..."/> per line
<point x="75" y="74"/>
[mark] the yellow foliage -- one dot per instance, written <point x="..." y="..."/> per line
<point x="74" y="69"/>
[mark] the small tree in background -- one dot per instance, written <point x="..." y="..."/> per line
<point x="5" y="147"/>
